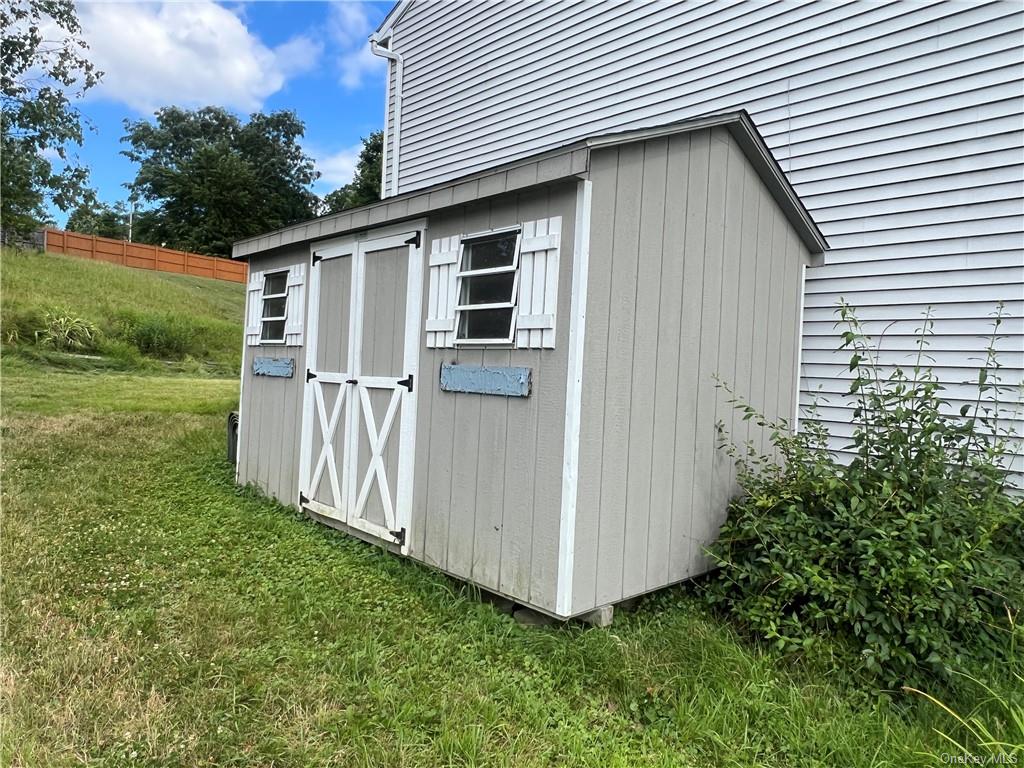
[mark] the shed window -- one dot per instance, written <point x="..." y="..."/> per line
<point x="487" y="280"/>
<point x="275" y="301"/>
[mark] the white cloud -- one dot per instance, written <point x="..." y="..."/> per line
<point x="336" y="168"/>
<point x="348" y="27"/>
<point x="188" y="54"/>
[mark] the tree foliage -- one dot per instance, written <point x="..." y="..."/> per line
<point x="44" y="66"/>
<point x="365" y="185"/>
<point x="93" y="217"/>
<point x="214" y="179"/>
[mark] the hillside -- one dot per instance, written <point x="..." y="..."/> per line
<point x="134" y="319"/>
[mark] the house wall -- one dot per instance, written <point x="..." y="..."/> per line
<point x="898" y="124"/>
<point x="489" y="469"/>
<point x="270" y="410"/>
<point x="694" y="272"/>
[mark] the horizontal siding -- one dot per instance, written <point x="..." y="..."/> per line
<point x="899" y="125"/>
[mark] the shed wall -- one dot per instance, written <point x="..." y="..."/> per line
<point x="694" y="271"/>
<point x="270" y="410"/>
<point x="489" y="468"/>
<point x="898" y="124"/>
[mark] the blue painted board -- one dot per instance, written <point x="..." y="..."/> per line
<point x="486" y="380"/>
<point x="283" y="367"/>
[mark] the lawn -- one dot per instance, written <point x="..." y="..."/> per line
<point x="156" y="315"/>
<point x="156" y="615"/>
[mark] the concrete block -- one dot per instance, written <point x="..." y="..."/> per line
<point x="599" y="617"/>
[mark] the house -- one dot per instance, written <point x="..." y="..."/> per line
<point x="510" y="375"/>
<point x="898" y="124"/>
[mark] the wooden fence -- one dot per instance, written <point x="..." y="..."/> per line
<point x="142" y="256"/>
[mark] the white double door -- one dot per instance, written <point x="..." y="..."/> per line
<point x="359" y="413"/>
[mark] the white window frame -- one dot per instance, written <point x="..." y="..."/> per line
<point x="469" y="273"/>
<point x="283" y="318"/>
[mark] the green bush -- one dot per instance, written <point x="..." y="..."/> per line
<point x="910" y="557"/>
<point x="164" y="336"/>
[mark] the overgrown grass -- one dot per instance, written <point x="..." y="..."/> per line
<point x="156" y="615"/>
<point x="140" y="314"/>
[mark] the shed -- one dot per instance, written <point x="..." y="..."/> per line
<point x="512" y="377"/>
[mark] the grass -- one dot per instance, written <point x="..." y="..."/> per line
<point x="156" y="615"/>
<point x="158" y="315"/>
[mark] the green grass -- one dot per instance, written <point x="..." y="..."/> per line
<point x="157" y="615"/>
<point x="156" y="314"/>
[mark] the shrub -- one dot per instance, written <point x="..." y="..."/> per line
<point x="156" y="335"/>
<point x="910" y="556"/>
<point x="66" y="332"/>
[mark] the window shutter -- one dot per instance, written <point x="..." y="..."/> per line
<point x="295" y="307"/>
<point x="443" y="264"/>
<point x="253" y="308"/>
<point x="538" y="283"/>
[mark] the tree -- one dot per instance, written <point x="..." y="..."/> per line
<point x="38" y="79"/>
<point x="214" y="180"/>
<point x="92" y="217"/>
<point x="365" y="185"/>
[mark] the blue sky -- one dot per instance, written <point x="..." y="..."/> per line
<point x="310" y="57"/>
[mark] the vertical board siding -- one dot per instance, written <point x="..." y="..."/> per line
<point x="899" y="125"/>
<point x="270" y="411"/>
<point x="695" y="275"/>
<point x="487" y="494"/>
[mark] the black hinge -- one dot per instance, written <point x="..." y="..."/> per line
<point x="351" y="381"/>
<point x="317" y="258"/>
<point x="303" y="499"/>
<point x="398" y="536"/>
<point x="414" y="240"/>
<point x="310" y="375"/>
<point x="406" y="382"/>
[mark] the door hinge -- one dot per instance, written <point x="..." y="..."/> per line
<point x="406" y="382"/>
<point x="351" y="381"/>
<point x="317" y="258"/>
<point x="310" y="375"/>
<point x="303" y="499"/>
<point x="398" y="536"/>
<point x="414" y="240"/>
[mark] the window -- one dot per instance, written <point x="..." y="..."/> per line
<point x="275" y="300"/>
<point x="487" y="280"/>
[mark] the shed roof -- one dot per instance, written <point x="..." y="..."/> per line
<point x="572" y="160"/>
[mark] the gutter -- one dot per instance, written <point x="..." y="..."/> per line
<point x="378" y="49"/>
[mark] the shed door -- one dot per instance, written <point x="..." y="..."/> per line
<point x="361" y="400"/>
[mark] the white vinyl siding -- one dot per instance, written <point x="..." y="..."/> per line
<point x="899" y="125"/>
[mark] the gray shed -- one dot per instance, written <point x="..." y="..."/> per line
<point x="510" y="377"/>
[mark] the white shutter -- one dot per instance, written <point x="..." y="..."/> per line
<point x="443" y="264"/>
<point x="538" y="283"/>
<point x="295" y="307"/>
<point x="253" y="308"/>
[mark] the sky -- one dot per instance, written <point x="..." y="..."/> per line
<point x="309" y="57"/>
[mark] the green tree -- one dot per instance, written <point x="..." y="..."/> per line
<point x="365" y="185"/>
<point x="92" y="217"/>
<point x="43" y="68"/>
<point x="214" y="179"/>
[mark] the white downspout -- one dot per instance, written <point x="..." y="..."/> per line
<point x="378" y="49"/>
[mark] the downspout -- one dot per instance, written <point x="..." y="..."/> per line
<point x="378" y="49"/>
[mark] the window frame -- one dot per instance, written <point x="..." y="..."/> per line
<point x="283" y="318"/>
<point x="513" y="302"/>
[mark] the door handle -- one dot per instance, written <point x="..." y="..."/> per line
<point x="351" y="381"/>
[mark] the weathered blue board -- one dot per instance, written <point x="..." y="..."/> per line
<point x="284" y="367"/>
<point x="485" y="380"/>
